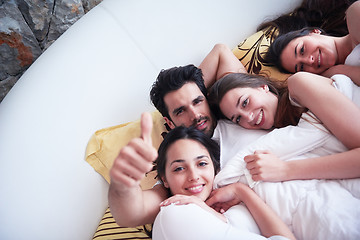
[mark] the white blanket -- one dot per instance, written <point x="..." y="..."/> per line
<point x="313" y="209"/>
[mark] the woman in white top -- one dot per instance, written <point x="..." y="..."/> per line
<point x="187" y="163"/>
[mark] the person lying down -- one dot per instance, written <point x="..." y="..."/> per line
<point x="187" y="163"/>
<point x="311" y="208"/>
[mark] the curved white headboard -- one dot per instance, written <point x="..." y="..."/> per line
<point x="98" y="74"/>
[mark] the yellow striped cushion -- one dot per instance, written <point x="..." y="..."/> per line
<point x="108" y="229"/>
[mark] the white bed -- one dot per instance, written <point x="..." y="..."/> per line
<point x="98" y="74"/>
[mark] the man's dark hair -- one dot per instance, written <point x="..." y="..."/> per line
<point x="173" y="79"/>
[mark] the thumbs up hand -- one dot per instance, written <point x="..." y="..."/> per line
<point x="146" y="128"/>
<point x="135" y="159"/>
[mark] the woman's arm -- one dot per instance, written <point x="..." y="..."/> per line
<point x="338" y="113"/>
<point x="352" y="72"/>
<point x="219" y="62"/>
<point x="336" y="166"/>
<point x="353" y="22"/>
<point x="269" y="223"/>
<point x="265" y="166"/>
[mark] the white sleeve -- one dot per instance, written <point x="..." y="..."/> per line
<point x="286" y="143"/>
<point x="179" y="222"/>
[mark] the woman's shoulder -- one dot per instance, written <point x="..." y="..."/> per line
<point x="353" y="22"/>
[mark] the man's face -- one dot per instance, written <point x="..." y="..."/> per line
<point x="187" y="107"/>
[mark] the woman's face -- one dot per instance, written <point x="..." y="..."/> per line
<point x="251" y="108"/>
<point x="189" y="169"/>
<point x="313" y="53"/>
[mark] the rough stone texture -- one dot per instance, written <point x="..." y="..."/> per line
<point x="29" y="27"/>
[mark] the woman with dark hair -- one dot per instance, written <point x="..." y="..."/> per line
<point x="310" y="50"/>
<point x="254" y="103"/>
<point x="187" y="163"/>
<point x="307" y="151"/>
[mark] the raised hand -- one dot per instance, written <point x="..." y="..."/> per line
<point x="135" y="159"/>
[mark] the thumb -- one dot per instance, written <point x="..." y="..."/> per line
<point x="212" y="199"/>
<point x="146" y="127"/>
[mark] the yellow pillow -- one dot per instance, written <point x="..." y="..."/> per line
<point x="251" y="54"/>
<point x="108" y="229"/>
<point x="105" y="144"/>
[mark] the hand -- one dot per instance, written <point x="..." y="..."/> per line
<point x="266" y="166"/>
<point x="135" y="159"/>
<point x="184" y="200"/>
<point x="223" y="198"/>
<point x="179" y="199"/>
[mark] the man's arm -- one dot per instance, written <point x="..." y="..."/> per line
<point x="129" y="204"/>
<point x="219" y="62"/>
<point x="133" y="206"/>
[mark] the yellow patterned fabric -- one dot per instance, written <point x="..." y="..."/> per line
<point x="106" y="143"/>
<point x="251" y="54"/>
<point x="108" y="229"/>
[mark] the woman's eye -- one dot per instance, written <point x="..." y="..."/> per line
<point x="202" y="164"/>
<point x="302" y="50"/>
<point x="178" y="169"/>
<point x="237" y="120"/>
<point x="246" y="102"/>
<point x="301" y="67"/>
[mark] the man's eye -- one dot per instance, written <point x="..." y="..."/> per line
<point x="237" y="120"/>
<point x="179" y="112"/>
<point x="302" y="50"/>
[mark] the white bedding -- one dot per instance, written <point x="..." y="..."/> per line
<point x="313" y="209"/>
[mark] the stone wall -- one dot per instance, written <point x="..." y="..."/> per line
<point x="28" y="28"/>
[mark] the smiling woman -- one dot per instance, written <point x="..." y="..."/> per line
<point x="310" y="50"/>
<point x="187" y="163"/>
<point x="313" y="52"/>
<point x="253" y="102"/>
